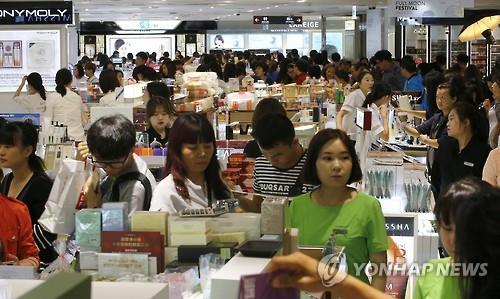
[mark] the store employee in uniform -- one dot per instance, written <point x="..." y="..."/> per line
<point x="278" y="171"/>
<point x="465" y="151"/>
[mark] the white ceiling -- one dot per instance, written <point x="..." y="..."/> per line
<point x="110" y="10"/>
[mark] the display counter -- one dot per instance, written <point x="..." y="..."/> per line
<point x="101" y="289"/>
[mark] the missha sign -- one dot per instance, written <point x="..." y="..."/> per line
<point x="36" y="13"/>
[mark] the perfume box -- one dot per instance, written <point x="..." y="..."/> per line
<point x="115" y="216"/>
<point x="88" y="228"/>
<point x="150" y="243"/>
<point x="144" y="221"/>
<point x="111" y="265"/>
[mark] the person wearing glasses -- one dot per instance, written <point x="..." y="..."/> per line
<point x="110" y="146"/>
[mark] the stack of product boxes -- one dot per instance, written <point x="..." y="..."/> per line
<point x="239" y="171"/>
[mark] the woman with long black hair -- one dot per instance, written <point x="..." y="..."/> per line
<point x="34" y="101"/>
<point x="65" y="106"/>
<point x="28" y="181"/>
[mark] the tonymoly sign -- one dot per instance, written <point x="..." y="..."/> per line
<point x="19" y="13"/>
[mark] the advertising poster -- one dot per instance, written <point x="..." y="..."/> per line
<point x="125" y="44"/>
<point x="334" y="41"/>
<point x="226" y="41"/>
<point x="265" y="41"/>
<point x="27" y="51"/>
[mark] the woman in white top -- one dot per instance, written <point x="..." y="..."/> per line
<point x="194" y="178"/>
<point x="108" y="83"/>
<point x="65" y="106"/>
<point x="347" y="114"/>
<point x="34" y="101"/>
<point x="377" y="101"/>
<point x="89" y="69"/>
<point x="78" y="77"/>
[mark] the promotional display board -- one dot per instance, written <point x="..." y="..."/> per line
<point x="265" y="41"/>
<point x="226" y="41"/>
<point x="427" y="8"/>
<point x="135" y="43"/>
<point x="26" y="51"/>
<point x="36" y="13"/>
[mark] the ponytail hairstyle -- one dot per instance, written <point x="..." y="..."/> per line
<point x="25" y="135"/>
<point x="380" y="89"/>
<point x="35" y="81"/>
<point x="63" y="78"/>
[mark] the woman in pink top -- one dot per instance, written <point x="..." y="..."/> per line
<point x="491" y="170"/>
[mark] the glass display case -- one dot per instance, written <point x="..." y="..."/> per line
<point x="416" y="42"/>
<point x="457" y="47"/>
<point x="439" y="39"/>
<point x="478" y="55"/>
<point x="495" y="49"/>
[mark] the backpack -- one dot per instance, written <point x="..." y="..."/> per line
<point x="135" y="176"/>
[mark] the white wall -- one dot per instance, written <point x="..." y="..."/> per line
<point x="374" y="40"/>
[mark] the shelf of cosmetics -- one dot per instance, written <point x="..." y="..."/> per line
<point x="389" y="179"/>
<point x="109" y="240"/>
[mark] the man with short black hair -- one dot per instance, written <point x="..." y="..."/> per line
<point x="110" y="142"/>
<point x="390" y="71"/>
<point x="278" y="171"/>
<point x="414" y="81"/>
<point x="463" y="60"/>
<point x="140" y="60"/>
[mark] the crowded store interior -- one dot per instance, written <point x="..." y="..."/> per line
<point x="227" y="149"/>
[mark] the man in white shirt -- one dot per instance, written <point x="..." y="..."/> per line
<point x="110" y="142"/>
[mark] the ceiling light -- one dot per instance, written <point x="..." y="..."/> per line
<point x="259" y="9"/>
<point x="150" y="7"/>
<point x="139" y="31"/>
<point x="251" y="10"/>
<point x="301" y="1"/>
<point x="227" y="1"/>
<point x="86" y="9"/>
<point x="211" y="7"/>
<point x="268" y="7"/>
<point x="201" y="9"/>
<point x="276" y="6"/>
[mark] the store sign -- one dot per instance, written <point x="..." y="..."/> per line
<point x="350" y="25"/>
<point x="400" y="226"/>
<point x="39" y="13"/>
<point x="307" y="24"/>
<point x="257" y="20"/>
<point x="427" y="8"/>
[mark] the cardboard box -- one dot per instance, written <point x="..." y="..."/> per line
<point x="178" y="239"/>
<point x="88" y="228"/>
<point x="238" y="237"/>
<point x="144" y="221"/>
<point x="115" y="216"/>
<point x="111" y="265"/>
<point x="188" y="225"/>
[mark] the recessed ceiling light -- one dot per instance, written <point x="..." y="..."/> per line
<point x="301" y="1"/>
<point x="259" y="9"/>
<point x="86" y="9"/>
<point x="276" y="6"/>
<point x="227" y="1"/>
<point x="150" y="6"/>
<point x="201" y="9"/>
<point x="211" y="7"/>
<point x="251" y="10"/>
<point x="268" y="7"/>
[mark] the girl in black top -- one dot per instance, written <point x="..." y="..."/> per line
<point x="28" y="181"/>
<point x="464" y="152"/>
<point x="160" y="113"/>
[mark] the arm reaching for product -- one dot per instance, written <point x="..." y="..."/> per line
<point x="307" y="278"/>
<point x="91" y="192"/>
<point x="385" y="123"/>
<point x="417" y="113"/>
<point x="428" y="141"/>
<point x="20" y="88"/>
<point x="339" y="119"/>
<point x="251" y="205"/>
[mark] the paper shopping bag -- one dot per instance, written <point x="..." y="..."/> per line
<point x="59" y="214"/>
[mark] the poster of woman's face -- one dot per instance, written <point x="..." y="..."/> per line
<point x="227" y="41"/>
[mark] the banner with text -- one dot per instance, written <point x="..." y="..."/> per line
<point x="427" y="8"/>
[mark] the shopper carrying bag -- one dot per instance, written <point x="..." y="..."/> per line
<point x="59" y="214"/>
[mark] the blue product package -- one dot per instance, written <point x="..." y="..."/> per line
<point x="115" y="216"/>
